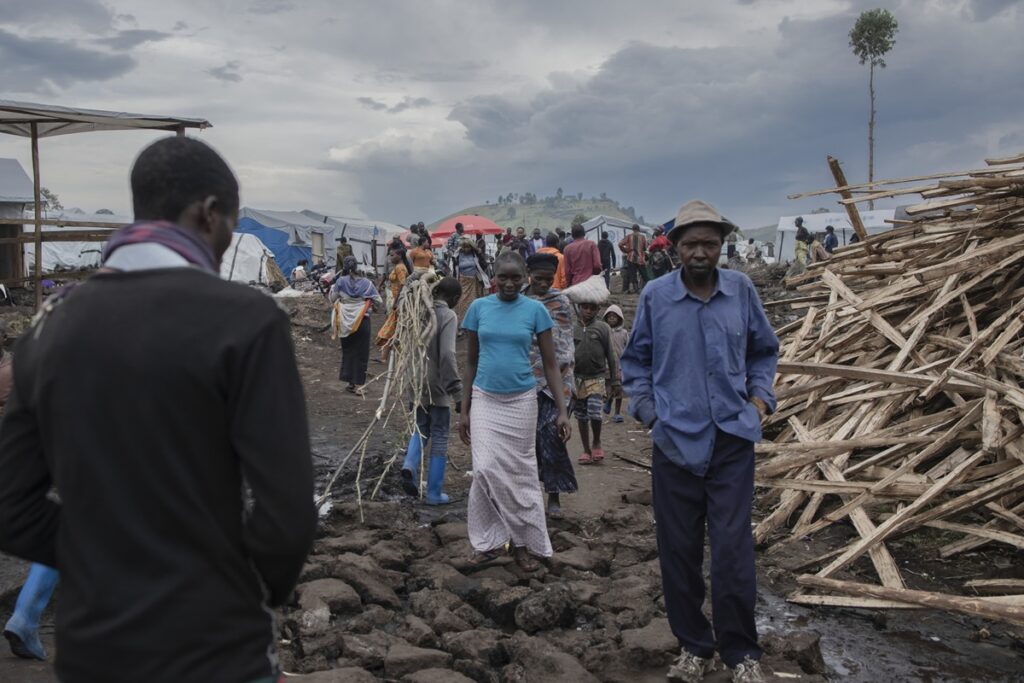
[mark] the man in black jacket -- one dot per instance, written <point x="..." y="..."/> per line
<point x="164" y="405"/>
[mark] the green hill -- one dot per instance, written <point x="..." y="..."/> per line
<point x="546" y="213"/>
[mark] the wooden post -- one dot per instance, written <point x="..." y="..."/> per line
<point x="373" y="253"/>
<point x="37" y="195"/>
<point x="851" y="209"/>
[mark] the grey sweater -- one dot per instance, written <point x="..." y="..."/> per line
<point x="444" y="384"/>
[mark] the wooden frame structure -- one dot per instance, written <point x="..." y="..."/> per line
<point x="34" y="121"/>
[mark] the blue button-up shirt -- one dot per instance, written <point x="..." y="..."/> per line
<point x="692" y="366"/>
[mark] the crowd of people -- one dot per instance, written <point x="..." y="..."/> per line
<point x="174" y="506"/>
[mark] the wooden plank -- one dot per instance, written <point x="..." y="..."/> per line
<point x="873" y="375"/>
<point x="851" y="209"/>
<point x="977" y="607"/>
<point x="909" y="179"/>
<point x="901" y="518"/>
<point x="996" y="585"/>
<point x="989" y="534"/>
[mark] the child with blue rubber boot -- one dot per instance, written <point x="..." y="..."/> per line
<point x="442" y="390"/>
<point x="22" y="629"/>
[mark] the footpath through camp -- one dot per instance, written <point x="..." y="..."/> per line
<point x="388" y="594"/>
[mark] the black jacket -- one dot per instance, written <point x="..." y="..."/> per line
<point x="148" y="399"/>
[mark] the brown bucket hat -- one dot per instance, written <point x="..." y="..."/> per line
<point x="698" y="211"/>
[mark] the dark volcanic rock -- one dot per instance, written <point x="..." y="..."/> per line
<point x="337" y="595"/>
<point x="533" y="660"/>
<point x="652" y="644"/>
<point x="481" y="645"/>
<point x="345" y="675"/>
<point x="403" y="659"/>
<point x="802" y="647"/>
<point x="550" y="608"/>
<point x="501" y="605"/>
<point x="436" y="676"/>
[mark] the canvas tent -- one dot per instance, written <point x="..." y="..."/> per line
<point x="874" y="222"/>
<point x="616" y="229"/>
<point x="290" y="235"/>
<point x="248" y="260"/>
<point x="62" y="255"/>
<point x="361" y="234"/>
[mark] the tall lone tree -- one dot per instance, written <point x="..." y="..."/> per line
<point x="871" y="38"/>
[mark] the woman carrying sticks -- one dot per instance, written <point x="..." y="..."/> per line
<point x="353" y="297"/>
<point x="505" y="503"/>
<point x="396" y="280"/>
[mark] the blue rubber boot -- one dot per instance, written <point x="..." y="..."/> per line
<point x="22" y="629"/>
<point x="411" y="466"/>
<point x="435" y="481"/>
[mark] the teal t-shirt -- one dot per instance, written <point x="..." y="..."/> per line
<point x="506" y="330"/>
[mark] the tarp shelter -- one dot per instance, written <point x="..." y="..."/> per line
<point x="874" y="222"/>
<point x="290" y="235"/>
<point x="248" y="260"/>
<point x="60" y="255"/>
<point x="473" y="225"/>
<point x="361" y="234"/>
<point x="35" y="121"/>
<point x="616" y="229"/>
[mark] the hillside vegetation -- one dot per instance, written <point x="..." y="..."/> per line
<point x="547" y="213"/>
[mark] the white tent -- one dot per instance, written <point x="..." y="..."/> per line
<point x="361" y="233"/>
<point x="617" y="229"/>
<point x="247" y="260"/>
<point x="874" y="222"/>
<point x="64" y="256"/>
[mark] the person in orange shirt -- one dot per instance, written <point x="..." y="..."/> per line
<point x="551" y="242"/>
<point x="421" y="256"/>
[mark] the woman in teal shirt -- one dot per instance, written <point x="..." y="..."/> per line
<point x="505" y="501"/>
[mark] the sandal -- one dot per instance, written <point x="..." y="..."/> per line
<point x="597" y="455"/>
<point x="586" y="459"/>
<point x="478" y="559"/>
<point x="524" y="561"/>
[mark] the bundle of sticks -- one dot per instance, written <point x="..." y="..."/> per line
<point x="900" y="405"/>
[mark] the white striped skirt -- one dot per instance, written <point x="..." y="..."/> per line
<point x="505" y="500"/>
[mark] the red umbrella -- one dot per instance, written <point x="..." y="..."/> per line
<point x="474" y="225"/>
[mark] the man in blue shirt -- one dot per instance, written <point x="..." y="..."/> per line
<point x="699" y="369"/>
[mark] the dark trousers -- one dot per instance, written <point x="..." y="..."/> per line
<point x="722" y="498"/>
<point x="629" y="276"/>
<point x="355" y="354"/>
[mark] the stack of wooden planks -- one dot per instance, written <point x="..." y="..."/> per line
<point x="900" y="403"/>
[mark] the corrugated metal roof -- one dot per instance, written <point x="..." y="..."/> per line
<point x="16" y="119"/>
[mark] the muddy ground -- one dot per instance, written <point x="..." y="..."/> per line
<point x="392" y="598"/>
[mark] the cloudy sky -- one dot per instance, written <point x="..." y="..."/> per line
<point x="408" y="110"/>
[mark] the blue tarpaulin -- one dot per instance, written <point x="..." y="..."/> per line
<point x="277" y="240"/>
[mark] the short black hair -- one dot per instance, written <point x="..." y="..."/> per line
<point x="636" y="227"/>
<point x="551" y="239"/>
<point x="578" y="231"/>
<point x="829" y="228"/>
<point x="174" y="172"/>
<point x="604" y="235"/>
<point x="509" y="256"/>
<point x="448" y="288"/>
<point x="459" y="226"/>
<point x="560" y="232"/>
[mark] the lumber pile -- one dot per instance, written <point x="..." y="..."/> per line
<point x="900" y="399"/>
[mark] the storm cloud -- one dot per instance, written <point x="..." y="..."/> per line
<point x="406" y="111"/>
<point x="40" y="64"/>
